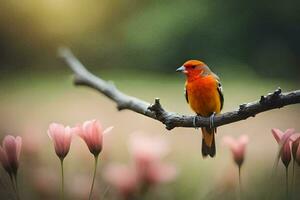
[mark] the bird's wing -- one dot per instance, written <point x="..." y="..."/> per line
<point x="220" y="91"/>
<point x="186" y="95"/>
<point x="215" y="76"/>
<point x="219" y="88"/>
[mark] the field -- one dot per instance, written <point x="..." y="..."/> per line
<point x="30" y="101"/>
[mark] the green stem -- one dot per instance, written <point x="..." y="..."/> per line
<point x="17" y="188"/>
<point x="293" y="179"/>
<point x="103" y="196"/>
<point x="62" y="178"/>
<point x="94" y="177"/>
<point x="287" y="182"/>
<point x="273" y="174"/>
<point x="240" y="183"/>
<point x="12" y="183"/>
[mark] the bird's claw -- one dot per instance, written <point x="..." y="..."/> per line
<point x="194" y="122"/>
<point x="211" y="120"/>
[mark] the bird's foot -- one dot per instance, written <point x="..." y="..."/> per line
<point x="194" y="122"/>
<point x="211" y="121"/>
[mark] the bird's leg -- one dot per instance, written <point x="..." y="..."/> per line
<point x="211" y="120"/>
<point x="194" y="122"/>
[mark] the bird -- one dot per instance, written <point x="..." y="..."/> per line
<point x="204" y="94"/>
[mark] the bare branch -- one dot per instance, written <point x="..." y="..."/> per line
<point x="277" y="99"/>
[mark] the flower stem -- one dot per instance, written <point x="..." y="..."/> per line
<point x="12" y="182"/>
<point x="273" y="173"/>
<point x="287" y="182"/>
<point x="240" y="183"/>
<point x="293" y="179"/>
<point x="94" y="177"/>
<point x="17" y="188"/>
<point x="62" y="178"/>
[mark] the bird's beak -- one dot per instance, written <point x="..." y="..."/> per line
<point x="180" y="69"/>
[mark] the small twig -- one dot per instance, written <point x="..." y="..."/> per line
<point x="277" y="99"/>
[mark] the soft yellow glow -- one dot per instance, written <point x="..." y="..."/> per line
<point x="55" y="18"/>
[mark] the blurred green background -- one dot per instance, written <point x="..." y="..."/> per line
<point x="154" y="35"/>
<point x="254" y="46"/>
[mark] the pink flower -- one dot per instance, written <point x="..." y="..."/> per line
<point x="147" y="154"/>
<point x="296" y="147"/>
<point x="146" y="150"/>
<point x="238" y="147"/>
<point x="92" y="134"/>
<point x="123" y="178"/>
<point x="283" y="139"/>
<point x="10" y="153"/>
<point x="159" y="173"/>
<point x="148" y="169"/>
<point x="61" y="137"/>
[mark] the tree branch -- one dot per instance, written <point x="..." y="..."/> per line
<point x="277" y="99"/>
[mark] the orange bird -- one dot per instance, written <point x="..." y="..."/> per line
<point x="203" y="92"/>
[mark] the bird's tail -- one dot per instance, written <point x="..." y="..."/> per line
<point x="208" y="142"/>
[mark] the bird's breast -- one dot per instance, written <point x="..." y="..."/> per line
<point x="203" y="96"/>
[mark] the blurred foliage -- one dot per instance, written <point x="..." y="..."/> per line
<point x="153" y="35"/>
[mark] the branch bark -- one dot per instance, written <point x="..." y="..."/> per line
<point x="83" y="77"/>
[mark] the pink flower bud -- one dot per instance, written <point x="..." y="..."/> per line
<point x="238" y="147"/>
<point x="61" y="137"/>
<point x="146" y="150"/>
<point x="297" y="155"/>
<point x="10" y="153"/>
<point x="123" y="178"/>
<point x="147" y="154"/>
<point x="283" y="139"/>
<point x="4" y="160"/>
<point x="158" y="173"/>
<point x="296" y="147"/>
<point x="92" y="134"/>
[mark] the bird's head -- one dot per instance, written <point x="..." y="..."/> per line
<point x="193" y="68"/>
